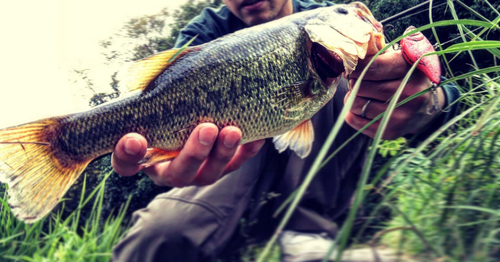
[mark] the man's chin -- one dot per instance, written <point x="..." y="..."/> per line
<point x="257" y="20"/>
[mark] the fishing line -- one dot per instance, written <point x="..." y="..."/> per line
<point x="398" y="15"/>
<point x="453" y="39"/>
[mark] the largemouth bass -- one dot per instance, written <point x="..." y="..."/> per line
<point x="268" y="80"/>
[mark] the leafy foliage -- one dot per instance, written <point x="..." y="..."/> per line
<point x="140" y="189"/>
<point x="147" y="35"/>
<point x="452" y="196"/>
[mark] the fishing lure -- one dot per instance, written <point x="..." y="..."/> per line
<point x="413" y="47"/>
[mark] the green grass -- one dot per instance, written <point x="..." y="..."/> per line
<point x="448" y="198"/>
<point x="55" y="238"/>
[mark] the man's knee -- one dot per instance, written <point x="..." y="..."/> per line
<point x="166" y="229"/>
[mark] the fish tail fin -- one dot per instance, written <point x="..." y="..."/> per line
<point x="37" y="173"/>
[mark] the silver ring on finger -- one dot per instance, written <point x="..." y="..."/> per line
<point x="363" y="110"/>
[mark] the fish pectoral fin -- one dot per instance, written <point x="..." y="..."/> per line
<point x="30" y="164"/>
<point x="142" y="72"/>
<point x="157" y="155"/>
<point x="300" y="139"/>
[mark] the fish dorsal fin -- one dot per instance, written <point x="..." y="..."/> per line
<point x="300" y="139"/>
<point x="142" y="72"/>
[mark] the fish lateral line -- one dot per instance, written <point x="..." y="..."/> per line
<point x="27" y="143"/>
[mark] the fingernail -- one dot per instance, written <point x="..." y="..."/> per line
<point x="207" y="136"/>
<point x="231" y="139"/>
<point x="132" y="146"/>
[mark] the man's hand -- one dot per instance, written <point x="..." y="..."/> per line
<point x="207" y="155"/>
<point x="379" y="84"/>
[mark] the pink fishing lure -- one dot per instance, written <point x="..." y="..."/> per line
<point x="416" y="45"/>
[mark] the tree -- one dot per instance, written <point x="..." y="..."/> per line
<point x="143" y="36"/>
<point x="187" y="12"/>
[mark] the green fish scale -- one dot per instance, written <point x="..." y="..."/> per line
<point x="243" y="79"/>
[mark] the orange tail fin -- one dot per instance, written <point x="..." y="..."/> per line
<point x="37" y="179"/>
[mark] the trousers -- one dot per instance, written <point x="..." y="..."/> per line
<point x="203" y="223"/>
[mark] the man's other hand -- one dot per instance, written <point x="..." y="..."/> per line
<point x="379" y="84"/>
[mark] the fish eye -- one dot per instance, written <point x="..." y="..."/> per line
<point x="342" y="10"/>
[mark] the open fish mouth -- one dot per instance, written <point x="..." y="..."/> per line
<point x="339" y="37"/>
<point x="326" y="63"/>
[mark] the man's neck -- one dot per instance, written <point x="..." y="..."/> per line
<point x="286" y="10"/>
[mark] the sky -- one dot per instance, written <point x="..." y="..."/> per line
<point x="43" y="40"/>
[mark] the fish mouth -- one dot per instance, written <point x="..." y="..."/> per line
<point x="327" y="64"/>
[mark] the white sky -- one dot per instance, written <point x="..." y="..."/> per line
<point x="42" y="40"/>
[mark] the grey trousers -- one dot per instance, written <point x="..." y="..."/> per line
<point x="203" y="223"/>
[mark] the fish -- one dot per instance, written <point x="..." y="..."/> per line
<point x="268" y="80"/>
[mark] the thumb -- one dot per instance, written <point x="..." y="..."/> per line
<point x="129" y="150"/>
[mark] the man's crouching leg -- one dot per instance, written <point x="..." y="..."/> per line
<point x="167" y="230"/>
<point x="194" y="223"/>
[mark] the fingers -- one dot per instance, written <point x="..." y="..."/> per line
<point x="206" y="156"/>
<point x="398" y="123"/>
<point x="182" y="170"/>
<point x="385" y="90"/>
<point x="372" y="108"/>
<point x="380" y="83"/>
<point x="223" y="151"/>
<point x="408" y="118"/>
<point x="130" y="149"/>
<point x="244" y="153"/>
<point x="358" y="122"/>
<point x="387" y="66"/>
<point x="379" y="90"/>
